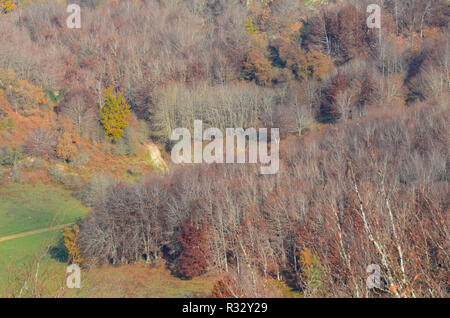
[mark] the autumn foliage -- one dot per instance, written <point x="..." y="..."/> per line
<point x="71" y="242"/>
<point x="363" y="117"/>
<point x="7" y="5"/>
<point x="193" y="250"/>
<point x="114" y="114"/>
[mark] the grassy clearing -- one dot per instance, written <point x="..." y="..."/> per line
<point x="16" y="254"/>
<point x="136" y="280"/>
<point x="140" y="280"/>
<point x="25" y="207"/>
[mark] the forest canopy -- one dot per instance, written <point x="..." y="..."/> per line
<point x="363" y="116"/>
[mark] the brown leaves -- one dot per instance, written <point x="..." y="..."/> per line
<point x="193" y="253"/>
<point x="258" y="68"/>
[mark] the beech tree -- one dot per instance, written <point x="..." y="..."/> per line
<point x="192" y="259"/>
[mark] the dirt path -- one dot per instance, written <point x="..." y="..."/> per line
<point x="47" y="229"/>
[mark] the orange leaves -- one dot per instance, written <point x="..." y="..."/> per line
<point x="296" y="27"/>
<point x="318" y="64"/>
<point x="403" y="291"/>
<point x="257" y="67"/>
<point x="25" y="98"/>
<point x="293" y="57"/>
<point x="393" y="289"/>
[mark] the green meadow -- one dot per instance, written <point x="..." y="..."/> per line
<point x="25" y="208"/>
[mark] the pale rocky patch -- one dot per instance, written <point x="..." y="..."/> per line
<point x="154" y="158"/>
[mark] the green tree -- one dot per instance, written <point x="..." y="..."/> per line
<point x="114" y="115"/>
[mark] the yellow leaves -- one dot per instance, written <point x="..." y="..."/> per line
<point x="306" y="258"/>
<point x="114" y="115"/>
<point x="250" y="27"/>
<point x="7" y="5"/>
<point x="313" y="273"/>
<point x="25" y="98"/>
<point x="318" y="64"/>
<point x="71" y="237"/>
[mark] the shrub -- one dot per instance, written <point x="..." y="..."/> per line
<point x="225" y="288"/>
<point x="56" y="171"/>
<point x="9" y="156"/>
<point x="71" y="241"/>
<point x="134" y="170"/>
<point x="66" y="148"/>
<point x="15" y="173"/>
<point x="313" y="273"/>
<point x="7" y="125"/>
<point x="126" y="145"/>
<point x="81" y="159"/>
<point x="33" y="163"/>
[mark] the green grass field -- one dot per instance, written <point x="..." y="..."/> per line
<point x="18" y="253"/>
<point x="26" y="208"/>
